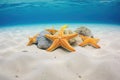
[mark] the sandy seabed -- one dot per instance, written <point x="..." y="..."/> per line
<point x="20" y="62"/>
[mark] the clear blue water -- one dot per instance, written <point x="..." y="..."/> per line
<point x="21" y="12"/>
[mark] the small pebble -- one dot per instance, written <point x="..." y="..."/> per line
<point x="24" y="51"/>
<point x="16" y="76"/>
<point x="79" y="76"/>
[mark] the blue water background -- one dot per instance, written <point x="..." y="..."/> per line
<point x="60" y="11"/>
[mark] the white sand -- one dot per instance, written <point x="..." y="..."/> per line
<point x="20" y="62"/>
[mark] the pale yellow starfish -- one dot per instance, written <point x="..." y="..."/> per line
<point x="90" y="41"/>
<point x="61" y="40"/>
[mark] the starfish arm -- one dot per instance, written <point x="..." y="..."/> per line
<point x="30" y="42"/>
<point x="70" y="36"/>
<point x="95" y="45"/>
<point x="53" y="32"/>
<point x="51" y="37"/>
<point x="66" y="45"/>
<point x="48" y="30"/>
<point x="97" y="40"/>
<point x="33" y="40"/>
<point x="36" y="36"/>
<point x="54" y="45"/>
<point x="63" y="27"/>
<point x="83" y="43"/>
<point x="83" y="37"/>
<point x="61" y="32"/>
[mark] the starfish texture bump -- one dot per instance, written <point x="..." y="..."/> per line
<point x="61" y="40"/>
<point x="90" y="41"/>
<point x="52" y="30"/>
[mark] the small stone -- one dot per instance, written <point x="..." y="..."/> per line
<point x="84" y="31"/>
<point x="16" y="76"/>
<point x="79" y="76"/>
<point x="42" y="41"/>
<point x="24" y="51"/>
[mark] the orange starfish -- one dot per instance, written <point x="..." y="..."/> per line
<point x="61" y="40"/>
<point x="52" y="30"/>
<point x="32" y="40"/>
<point x="90" y="41"/>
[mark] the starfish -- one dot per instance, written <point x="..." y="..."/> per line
<point x="32" y="40"/>
<point x="90" y="41"/>
<point x="52" y="30"/>
<point x="61" y="40"/>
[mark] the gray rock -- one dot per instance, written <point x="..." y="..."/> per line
<point x="42" y="41"/>
<point x="84" y="31"/>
